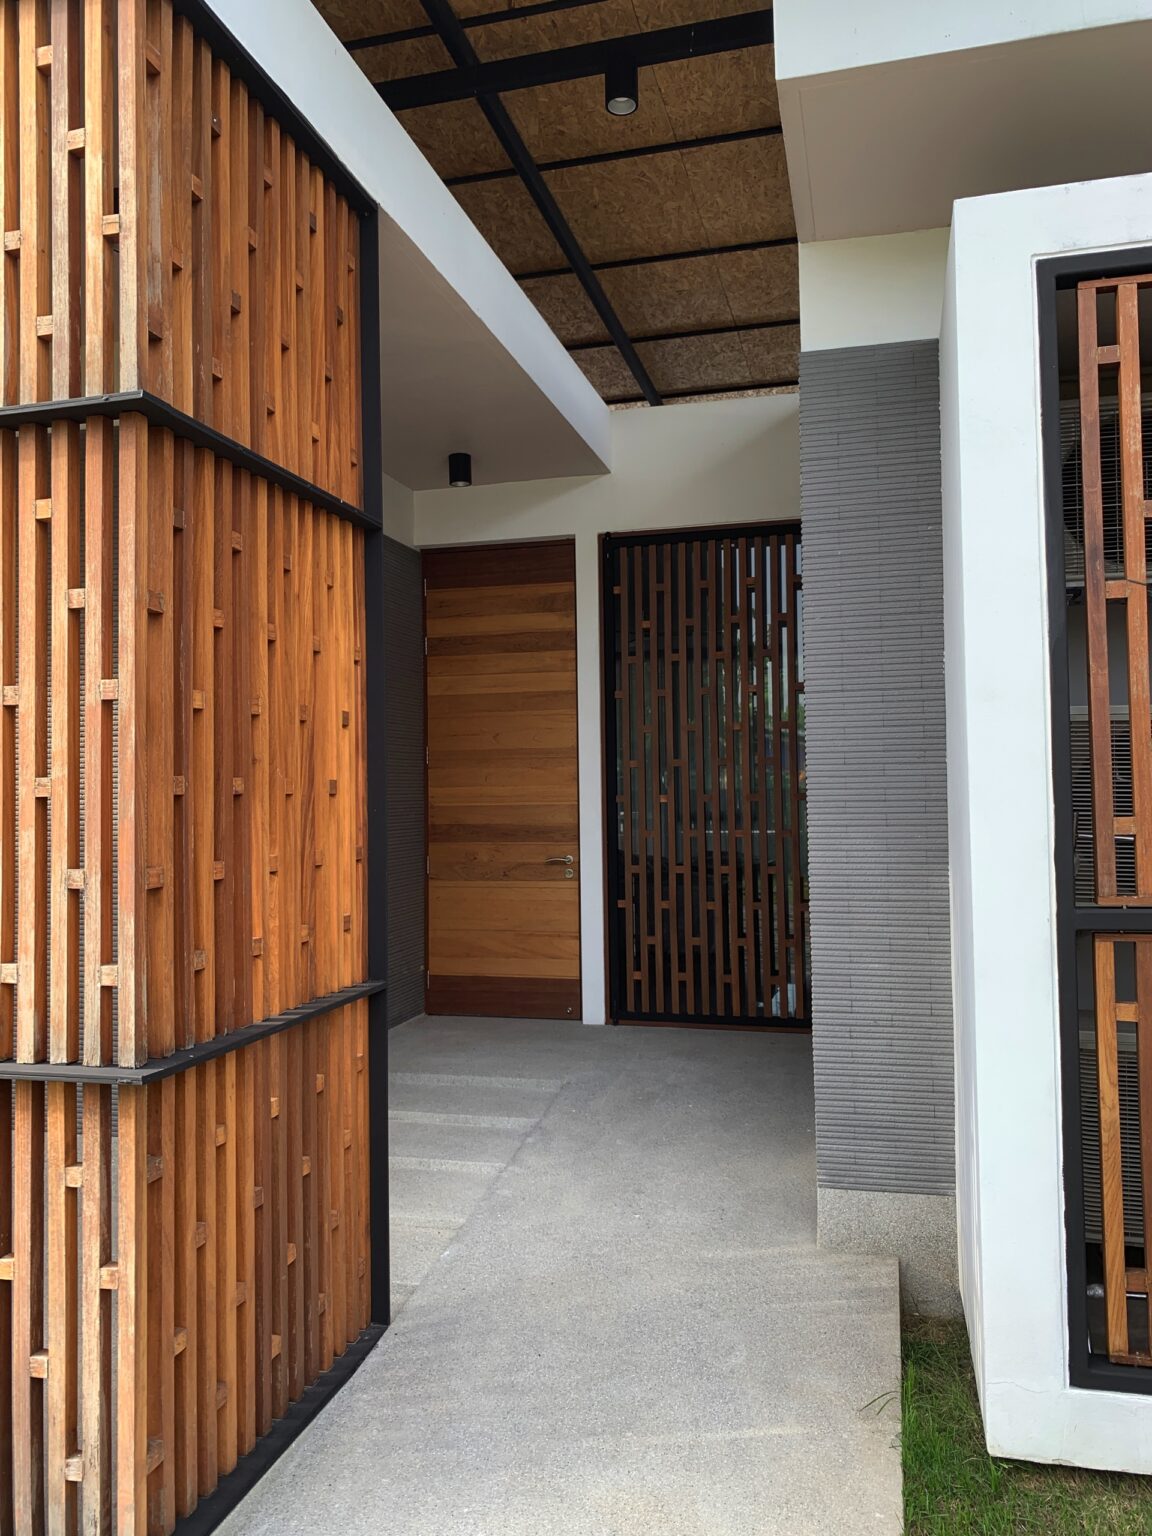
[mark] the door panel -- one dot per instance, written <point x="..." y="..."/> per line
<point x="705" y="726"/>
<point x="503" y="903"/>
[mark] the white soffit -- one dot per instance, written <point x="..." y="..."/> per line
<point x="888" y="144"/>
<point x="468" y="363"/>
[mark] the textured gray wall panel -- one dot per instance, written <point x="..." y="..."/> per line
<point x="404" y="770"/>
<point x="877" y="801"/>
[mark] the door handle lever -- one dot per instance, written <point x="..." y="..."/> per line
<point x="567" y="859"/>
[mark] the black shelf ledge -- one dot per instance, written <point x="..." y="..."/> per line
<point x="157" y="1067"/>
<point x="159" y="413"/>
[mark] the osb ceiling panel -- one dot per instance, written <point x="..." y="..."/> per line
<point x="412" y="56"/>
<point x="607" y="372"/>
<point x="567" y="308"/>
<point x="507" y="218"/>
<point x="367" y="18"/>
<point x="456" y="138"/>
<point x="703" y="293"/>
<point x="631" y="208"/>
<point x="567" y="120"/>
<point x="637" y="217"/>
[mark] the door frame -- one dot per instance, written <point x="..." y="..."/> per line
<point x="606" y="543"/>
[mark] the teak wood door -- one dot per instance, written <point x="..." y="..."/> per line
<point x="503" y="823"/>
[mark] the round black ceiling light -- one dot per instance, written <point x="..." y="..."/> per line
<point x="621" y="88"/>
<point x="459" y="469"/>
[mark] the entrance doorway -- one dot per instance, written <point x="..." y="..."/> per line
<point x="707" y="864"/>
<point x="503" y="815"/>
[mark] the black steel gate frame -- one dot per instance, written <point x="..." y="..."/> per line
<point x="1072" y="921"/>
<point x="609" y="659"/>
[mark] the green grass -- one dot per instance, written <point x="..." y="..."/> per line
<point x="952" y="1487"/>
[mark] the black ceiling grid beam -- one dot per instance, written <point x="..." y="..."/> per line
<point x="455" y="39"/>
<point x="711" y="330"/>
<point x="666" y="45"/>
<point x="651" y="261"/>
<point x="488" y="19"/>
<point x="607" y="156"/>
<point x="702" y="392"/>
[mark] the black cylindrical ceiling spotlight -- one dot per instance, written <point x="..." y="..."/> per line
<point x="459" y="469"/>
<point x="621" y="88"/>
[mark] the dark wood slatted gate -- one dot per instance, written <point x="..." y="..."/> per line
<point x="705" y="745"/>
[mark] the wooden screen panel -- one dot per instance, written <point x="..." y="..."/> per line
<point x="233" y="676"/>
<point x="1115" y="510"/>
<point x="709" y="875"/>
<point x="173" y="239"/>
<point x="1122" y="986"/>
<point x="503" y="820"/>
<point x="1116" y="583"/>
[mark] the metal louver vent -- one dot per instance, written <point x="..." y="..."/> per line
<point x="1070" y="458"/>
<point x="1084" y="855"/>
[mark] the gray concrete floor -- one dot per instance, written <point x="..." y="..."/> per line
<point x="612" y="1316"/>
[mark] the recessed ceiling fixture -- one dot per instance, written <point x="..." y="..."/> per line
<point x="621" y="88"/>
<point x="459" y="469"/>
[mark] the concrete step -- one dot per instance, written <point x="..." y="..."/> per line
<point x="427" y="1092"/>
<point x="447" y="1138"/>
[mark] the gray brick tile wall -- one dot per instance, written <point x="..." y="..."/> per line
<point x="877" y="802"/>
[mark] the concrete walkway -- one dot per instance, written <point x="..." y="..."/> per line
<point x="612" y="1316"/>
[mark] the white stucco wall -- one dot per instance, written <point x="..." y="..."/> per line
<point x="681" y="466"/>
<point x="817" y="36"/>
<point x="1013" y="1272"/>
<point x="865" y="292"/>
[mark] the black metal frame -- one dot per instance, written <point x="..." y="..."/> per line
<point x="160" y="413"/>
<point x="634" y="152"/>
<point x="609" y="660"/>
<point x="663" y="256"/>
<point x="1084" y="1369"/>
<point x="523" y="71"/>
<point x="157" y="1067"/>
<point x="456" y="40"/>
<point x="707" y="330"/>
<point x="488" y="19"/>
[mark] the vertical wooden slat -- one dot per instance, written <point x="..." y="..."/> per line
<point x="132" y="1398"/>
<point x="134" y="203"/>
<point x="96" y="1320"/>
<point x="34" y="496"/>
<point x="1099" y="713"/>
<point x="10" y="83"/>
<point x="28" y="1310"/>
<point x="1112" y="1185"/>
<point x="1143" y="948"/>
<point x="132" y="949"/>
<point x="101" y="295"/>
<point x="35" y="205"/>
<point x="1135" y="570"/>
<point x="99" y="606"/>
<point x="61" y="1338"/>
<point x="67" y="219"/>
<point x="8" y="867"/>
<point x="66" y="577"/>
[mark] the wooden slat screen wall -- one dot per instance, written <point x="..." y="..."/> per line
<point x="162" y="233"/>
<point x="710" y="872"/>
<point x="1116" y="585"/>
<point x="182" y="773"/>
